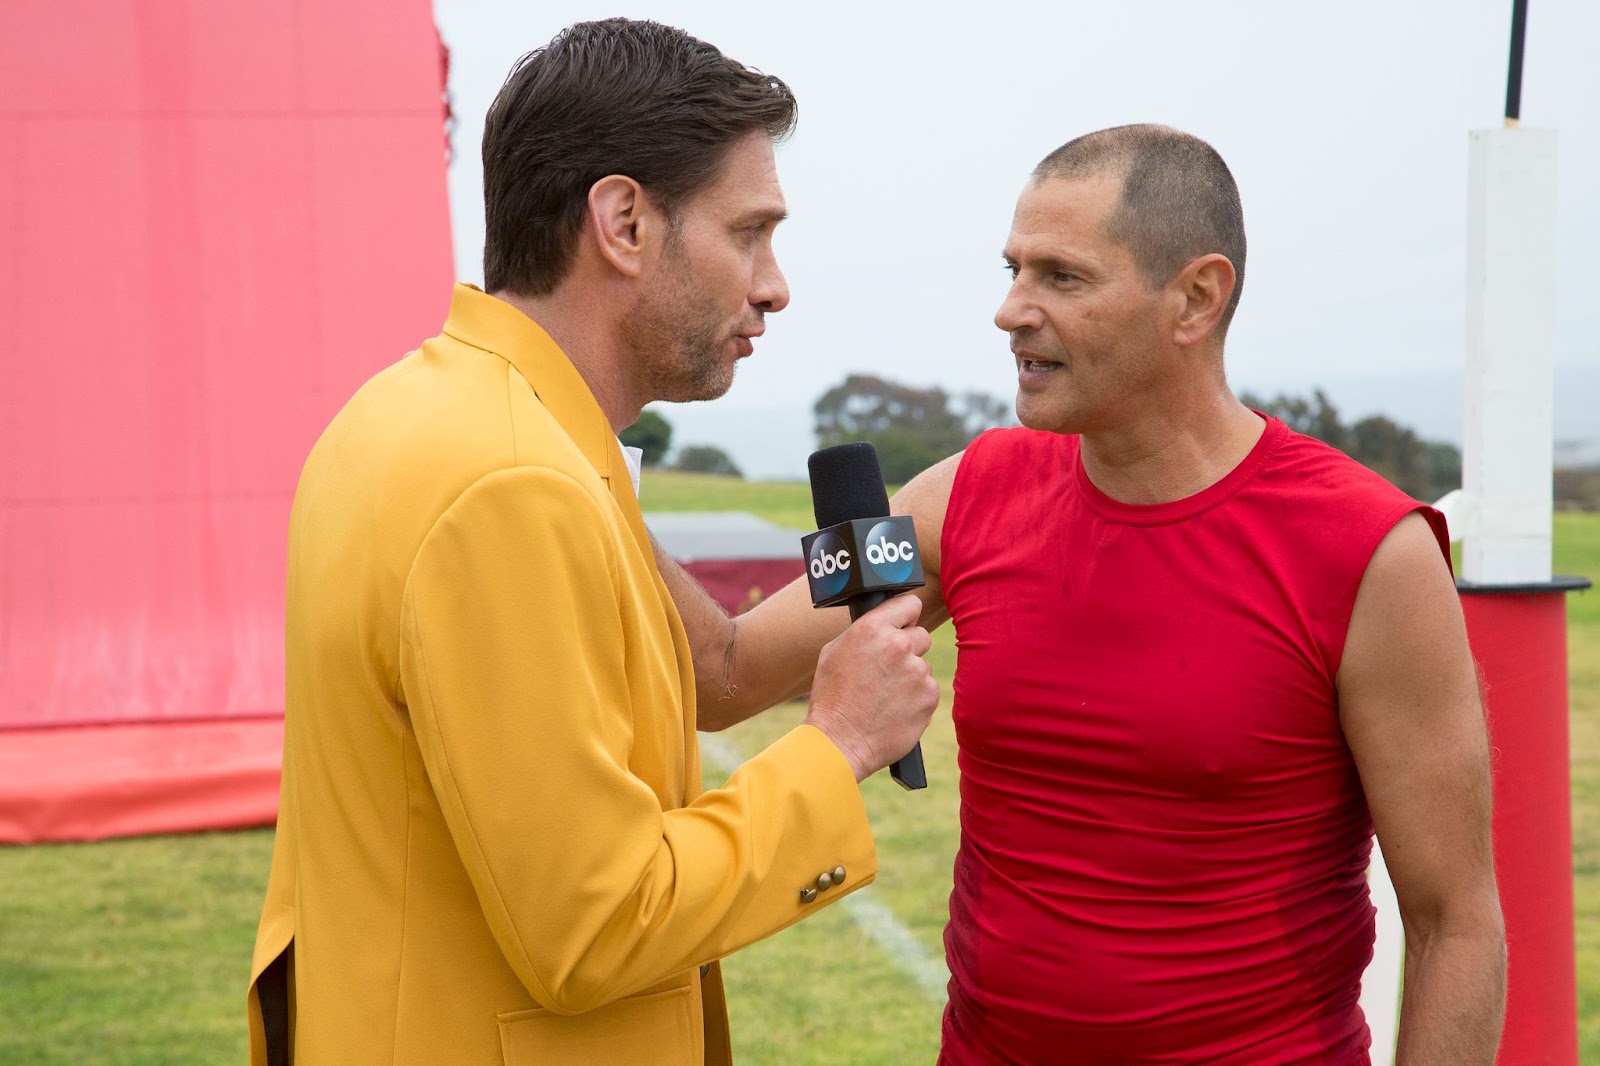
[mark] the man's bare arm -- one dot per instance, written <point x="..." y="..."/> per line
<point x="1411" y="712"/>
<point x="744" y="665"/>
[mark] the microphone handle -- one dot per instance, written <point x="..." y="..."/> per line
<point x="907" y="770"/>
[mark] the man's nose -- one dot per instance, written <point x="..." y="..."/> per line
<point x="771" y="289"/>
<point x="1016" y="311"/>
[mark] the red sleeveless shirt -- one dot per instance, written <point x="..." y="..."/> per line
<point x="1164" y="841"/>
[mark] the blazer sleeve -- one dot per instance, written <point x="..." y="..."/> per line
<point x="514" y="673"/>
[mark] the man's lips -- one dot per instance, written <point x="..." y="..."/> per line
<point x="744" y="342"/>
<point x="1027" y="354"/>
<point x="1032" y="363"/>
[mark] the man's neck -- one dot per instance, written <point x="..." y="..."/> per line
<point x="1172" y="454"/>
<point x="586" y="340"/>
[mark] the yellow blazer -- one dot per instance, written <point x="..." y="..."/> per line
<point x="492" y="845"/>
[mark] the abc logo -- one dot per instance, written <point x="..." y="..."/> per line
<point x="888" y="554"/>
<point x="829" y="565"/>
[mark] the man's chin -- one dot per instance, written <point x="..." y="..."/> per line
<point x="703" y="388"/>
<point x="1047" y="418"/>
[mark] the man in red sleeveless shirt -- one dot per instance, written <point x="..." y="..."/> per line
<point x="1201" y="658"/>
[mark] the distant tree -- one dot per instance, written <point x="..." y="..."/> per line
<point x="910" y="428"/>
<point x="1442" y="463"/>
<point x="652" y="434"/>
<point x="1315" y="417"/>
<point x="705" y="459"/>
<point x="1422" y="468"/>
<point x="979" y="411"/>
<point x="1577" y="488"/>
<point x="1393" y="451"/>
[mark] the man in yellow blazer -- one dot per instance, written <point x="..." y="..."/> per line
<point x="492" y="844"/>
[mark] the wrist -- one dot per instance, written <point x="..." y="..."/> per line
<point x="845" y="741"/>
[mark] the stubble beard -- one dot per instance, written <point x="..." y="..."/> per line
<point x="677" y="336"/>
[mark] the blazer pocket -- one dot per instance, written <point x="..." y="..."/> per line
<point x="659" y="1027"/>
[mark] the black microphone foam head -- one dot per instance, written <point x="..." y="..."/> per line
<point x="846" y="484"/>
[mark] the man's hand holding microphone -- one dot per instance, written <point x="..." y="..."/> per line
<point x="874" y="695"/>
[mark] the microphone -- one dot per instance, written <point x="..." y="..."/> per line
<point x="860" y="555"/>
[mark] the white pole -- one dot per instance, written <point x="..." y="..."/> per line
<point x="1507" y="452"/>
<point x="1502" y="514"/>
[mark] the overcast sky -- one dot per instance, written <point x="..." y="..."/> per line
<point x="1346" y="126"/>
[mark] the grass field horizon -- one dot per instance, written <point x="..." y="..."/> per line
<point x="135" y="951"/>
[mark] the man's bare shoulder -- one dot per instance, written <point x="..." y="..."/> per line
<point x="1407" y="584"/>
<point x="926" y="498"/>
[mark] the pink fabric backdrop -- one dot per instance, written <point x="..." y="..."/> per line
<point x="216" y="220"/>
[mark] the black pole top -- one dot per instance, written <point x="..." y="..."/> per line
<point x="1519" y="25"/>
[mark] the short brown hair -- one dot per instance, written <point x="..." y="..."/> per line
<point x="612" y="97"/>
<point x="1179" y="200"/>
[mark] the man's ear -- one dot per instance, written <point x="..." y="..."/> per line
<point x="624" y="223"/>
<point x="1204" y="286"/>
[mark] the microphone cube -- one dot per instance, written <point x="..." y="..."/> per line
<point x="865" y="555"/>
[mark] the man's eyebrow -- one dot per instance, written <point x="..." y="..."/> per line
<point x="763" y="216"/>
<point x="1050" y="261"/>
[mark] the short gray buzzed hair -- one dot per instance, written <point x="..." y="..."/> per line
<point x="1179" y="200"/>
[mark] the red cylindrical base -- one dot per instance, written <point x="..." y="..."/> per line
<point x="1520" y="643"/>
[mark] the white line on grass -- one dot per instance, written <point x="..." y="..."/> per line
<point x="874" y="919"/>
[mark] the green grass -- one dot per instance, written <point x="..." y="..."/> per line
<point x="916" y="837"/>
<point x="136" y="951"/>
<point x="805" y="1020"/>
<point x="785" y="503"/>
<point x="1577" y="551"/>
<point x="130" y="951"/>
